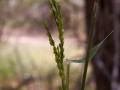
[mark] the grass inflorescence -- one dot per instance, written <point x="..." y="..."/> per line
<point x="58" y="49"/>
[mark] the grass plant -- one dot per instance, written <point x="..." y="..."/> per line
<point x="59" y="49"/>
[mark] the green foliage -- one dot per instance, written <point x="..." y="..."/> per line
<point x="6" y="68"/>
<point x="5" y="71"/>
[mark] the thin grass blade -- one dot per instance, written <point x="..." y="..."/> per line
<point x="93" y="52"/>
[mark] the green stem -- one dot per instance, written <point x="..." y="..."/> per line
<point x="90" y="39"/>
<point x="63" y="78"/>
<point x="67" y="76"/>
<point x="63" y="85"/>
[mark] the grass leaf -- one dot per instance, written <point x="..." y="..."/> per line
<point x="93" y="52"/>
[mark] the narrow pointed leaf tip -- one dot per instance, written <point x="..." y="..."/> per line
<point x="92" y="54"/>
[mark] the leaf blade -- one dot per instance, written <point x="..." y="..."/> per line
<point x="93" y="51"/>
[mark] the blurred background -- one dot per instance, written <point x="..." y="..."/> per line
<point x="26" y="58"/>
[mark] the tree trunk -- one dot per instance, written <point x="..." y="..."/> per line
<point x="106" y="64"/>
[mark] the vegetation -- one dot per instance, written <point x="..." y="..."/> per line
<point x="59" y="50"/>
<point x="22" y="13"/>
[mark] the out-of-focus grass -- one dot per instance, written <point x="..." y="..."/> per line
<point x="37" y="55"/>
<point x="26" y="59"/>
